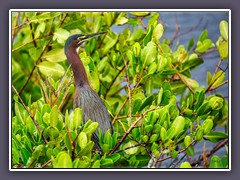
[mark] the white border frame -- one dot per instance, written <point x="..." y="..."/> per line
<point x="109" y="10"/>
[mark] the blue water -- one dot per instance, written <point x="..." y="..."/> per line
<point x="201" y="20"/>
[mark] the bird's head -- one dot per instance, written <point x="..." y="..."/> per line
<point x="76" y="40"/>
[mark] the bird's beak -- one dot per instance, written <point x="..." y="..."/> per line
<point x="88" y="36"/>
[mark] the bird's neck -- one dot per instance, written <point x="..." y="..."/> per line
<point x="79" y="73"/>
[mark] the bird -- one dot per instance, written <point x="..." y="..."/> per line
<point x="93" y="108"/>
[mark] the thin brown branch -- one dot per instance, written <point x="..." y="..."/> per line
<point x="143" y="25"/>
<point x="130" y="129"/>
<point x="123" y="104"/>
<point x="175" y="35"/>
<point x="35" y="65"/>
<point x="119" y="72"/>
<point x="209" y="153"/>
<point x="15" y="30"/>
<point x="31" y="116"/>
<point x="168" y="157"/>
<point x="186" y="84"/>
<point x="129" y="93"/>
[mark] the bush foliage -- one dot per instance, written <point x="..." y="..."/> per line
<point x="158" y="110"/>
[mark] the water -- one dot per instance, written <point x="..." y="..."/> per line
<point x="198" y="21"/>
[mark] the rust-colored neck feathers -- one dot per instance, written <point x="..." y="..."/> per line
<point x="79" y="73"/>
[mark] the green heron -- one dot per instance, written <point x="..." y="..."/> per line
<point x="85" y="97"/>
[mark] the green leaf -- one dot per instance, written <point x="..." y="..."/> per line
<point x="61" y="35"/>
<point x="199" y="135"/>
<point x="35" y="53"/>
<point x="74" y="24"/>
<point x="136" y="105"/>
<point x="153" y="138"/>
<point x="52" y="132"/>
<point x="132" y="150"/>
<point x="146" y="103"/>
<point x="82" y="140"/>
<point x="148" y="128"/>
<point x="149" y="53"/>
<point x="178" y="124"/>
<point x="94" y="81"/>
<point x="187" y="140"/>
<point x="209" y="78"/>
<point x="207" y="125"/>
<point x="217" y="79"/>
<point x="160" y="94"/>
<point x="190" y="44"/>
<point x="140" y="14"/>
<point x="20" y="112"/>
<point x="40" y="29"/>
<point x="203" y="35"/>
<point x="30" y="125"/>
<point x="54" y="117"/>
<point x="216" y="102"/>
<point x="215" y="162"/>
<point x="215" y="136"/>
<point x="96" y="164"/>
<point x="205" y="108"/>
<point x="148" y="36"/>
<point x="223" y="26"/>
<point x="136" y="48"/>
<point x="114" y="157"/>
<point x="223" y="50"/>
<point x="121" y="20"/>
<point x="110" y="40"/>
<point x="51" y="69"/>
<point x="24" y="154"/>
<point x="15" y="156"/>
<point x="152" y="68"/>
<point x="192" y="63"/>
<point x="185" y="165"/>
<point x="191" y="82"/>
<point x="203" y="46"/>
<point x="67" y="140"/>
<point x="35" y="156"/>
<point x="158" y="32"/>
<point x="55" y="55"/>
<point x="77" y="118"/>
<point x="106" y="162"/>
<point x="91" y="128"/>
<point x="64" y="161"/>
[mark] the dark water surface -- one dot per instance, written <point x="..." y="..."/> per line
<point x="199" y="21"/>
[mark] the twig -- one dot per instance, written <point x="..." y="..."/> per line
<point x="34" y="120"/>
<point x="168" y="157"/>
<point x="14" y="30"/>
<point x="175" y="35"/>
<point x="35" y="65"/>
<point x="130" y="129"/>
<point x="136" y="145"/>
<point x="180" y="76"/>
<point x="129" y="93"/>
<point x="116" y="116"/>
<point x="119" y="72"/>
<point x="209" y="153"/>
<point x="143" y="25"/>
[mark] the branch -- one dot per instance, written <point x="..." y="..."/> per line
<point x="130" y="129"/>
<point x="129" y="93"/>
<point x="209" y="153"/>
<point x="34" y="120"/>
<point x="119" y="72"/>
<point x="35" y="65"/>
<point x="168" y="157"/>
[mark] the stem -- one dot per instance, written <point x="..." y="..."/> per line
<point x="34" y="120"/>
